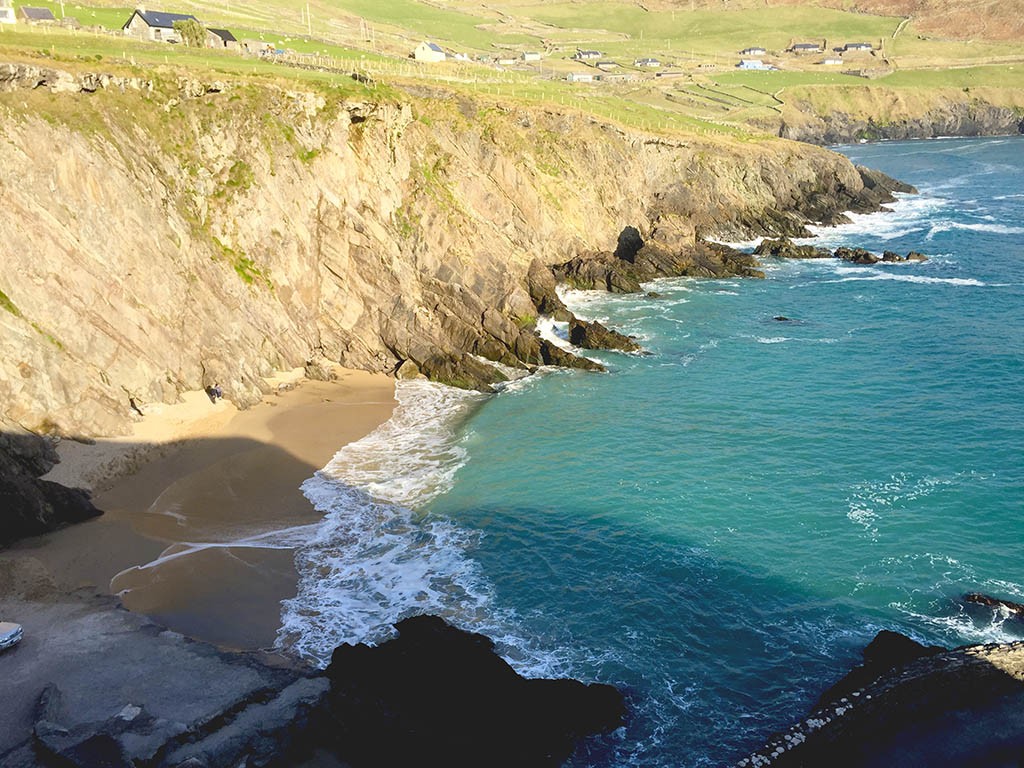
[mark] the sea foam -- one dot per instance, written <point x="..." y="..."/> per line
<point x="374" y="559"/>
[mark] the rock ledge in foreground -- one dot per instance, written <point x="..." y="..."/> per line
<point x="437" y="695"/>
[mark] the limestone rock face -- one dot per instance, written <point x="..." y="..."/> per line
<point x="156" y="238"/>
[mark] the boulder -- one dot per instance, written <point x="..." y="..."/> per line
<point x="540" y="282"/>
<point x="916" y="256"/>
<point x="857" y="255"/>
<point x="30" y="506"/>
<point x="593" y="335"/>
<point x="437" y="695"/>
<point x="784" y="248"/>
<point x="552" y="354"/>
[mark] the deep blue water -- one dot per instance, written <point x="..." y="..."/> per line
<point x="720" y="527"/>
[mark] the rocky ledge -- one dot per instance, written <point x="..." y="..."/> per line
<point x="910" y="704"/>
<point x="784" y="248"/>
<point x="28" y="505"/>
<point x="94" y="685"/>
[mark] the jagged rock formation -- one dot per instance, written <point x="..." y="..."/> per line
<point x="909" y="704"/>
<point x="28" y="505"/>
<point x="784" y="248"/>
<point x="436" y="695"/>
<point x="159" y="240"/>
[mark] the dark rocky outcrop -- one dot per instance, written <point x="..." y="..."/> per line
<point x="910" y="704"/>
<point x="555" y="355"/>
<point x="886" y="652"/>
<point x="784" y="248"/>
<point x="612" y="272"/>
<point x="437" y="695"/>
<point x="30" y="506"/>
<point x="593" y="335"/>
<point x="1014" y="609"/>
<point x="862" y="256"/>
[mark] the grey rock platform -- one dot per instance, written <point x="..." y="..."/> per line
<point x="92" y="684"/>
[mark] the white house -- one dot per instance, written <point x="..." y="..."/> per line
<point x="7" y="12"/>
<point x="648" y="62"/>
<point x="806" y="48"/>
<point x="833" y="62"/>
<point x="581" y="55"/>
<point x="531" y="56"/>
<point x="155" y="25"/>
<point x="580" y="77"/>
<point x="752" y="64"/>
<point x="755" y="51"/>
<point x="429" y="52"/>
<point x="858" y="47"/>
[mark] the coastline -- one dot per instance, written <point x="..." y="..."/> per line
<point x="215" y="486"/>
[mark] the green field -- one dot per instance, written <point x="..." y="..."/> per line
<point x="710" y="95"/>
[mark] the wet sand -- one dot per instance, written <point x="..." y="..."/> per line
<point x="195" y="503"/>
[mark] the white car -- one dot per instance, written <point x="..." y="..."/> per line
<point x="10" y="634"/>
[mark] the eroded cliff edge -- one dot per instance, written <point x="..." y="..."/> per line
<point x="162" y="233"/>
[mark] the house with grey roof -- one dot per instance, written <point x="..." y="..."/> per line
<point x="155" y="25"/>
<point x="220" y="38"/>
<point x="806" y="48"/>
<point x="37" y="15"/>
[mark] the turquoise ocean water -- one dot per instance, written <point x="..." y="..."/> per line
<point x="720" y="526"/>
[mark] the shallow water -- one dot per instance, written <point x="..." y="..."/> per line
<point x="721" y="526"/>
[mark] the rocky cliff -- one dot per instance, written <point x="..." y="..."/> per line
<point x="875" y="113"/>
<point x="161" y="234"/>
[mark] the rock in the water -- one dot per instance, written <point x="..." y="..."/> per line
<point x="916" y="256"/>
<point x="593" y="335"/>
<point x="437" y="695"/>
<point x="857" y="255"/>
<point x="553" y="354"/>
<point x="1016" y="609"/>
<point x="784" y="248"/>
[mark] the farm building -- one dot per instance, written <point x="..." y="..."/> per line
<point x="806" y="48"/>
<point x="580" y="77"/>
<point x="429" y="52"/>
<point x="605" y="66"/>
<point x="37" y="15"/>
<point x="581" y="55"/>
<point x="155" y="25"/>
<point x="648" y="62"/>
<point x="857" y="47"/>
<point x="7" y="12"/>
<point x="833" y="62"/>
<point x="531" y="56"/>
<point x="220" y="38"/>
<point x="755" y="51"/>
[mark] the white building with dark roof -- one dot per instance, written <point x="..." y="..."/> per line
<point x="429" y="52"/>
<point x="155" y="25"/>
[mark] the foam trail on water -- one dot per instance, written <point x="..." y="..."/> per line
<point x="373" y="559"/>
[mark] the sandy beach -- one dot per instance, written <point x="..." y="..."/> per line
<point x="199" y="501"/>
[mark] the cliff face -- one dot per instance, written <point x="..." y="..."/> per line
<point x="879" y="113"/>
<point x="163" y="236"/>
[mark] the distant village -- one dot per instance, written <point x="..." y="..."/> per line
<point x="593" y="66"/>
<point x="596" y="66"/>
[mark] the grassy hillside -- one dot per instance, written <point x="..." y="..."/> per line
<point x="328" y="39"/>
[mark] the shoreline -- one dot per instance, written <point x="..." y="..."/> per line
<point x="195" y="502"/>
